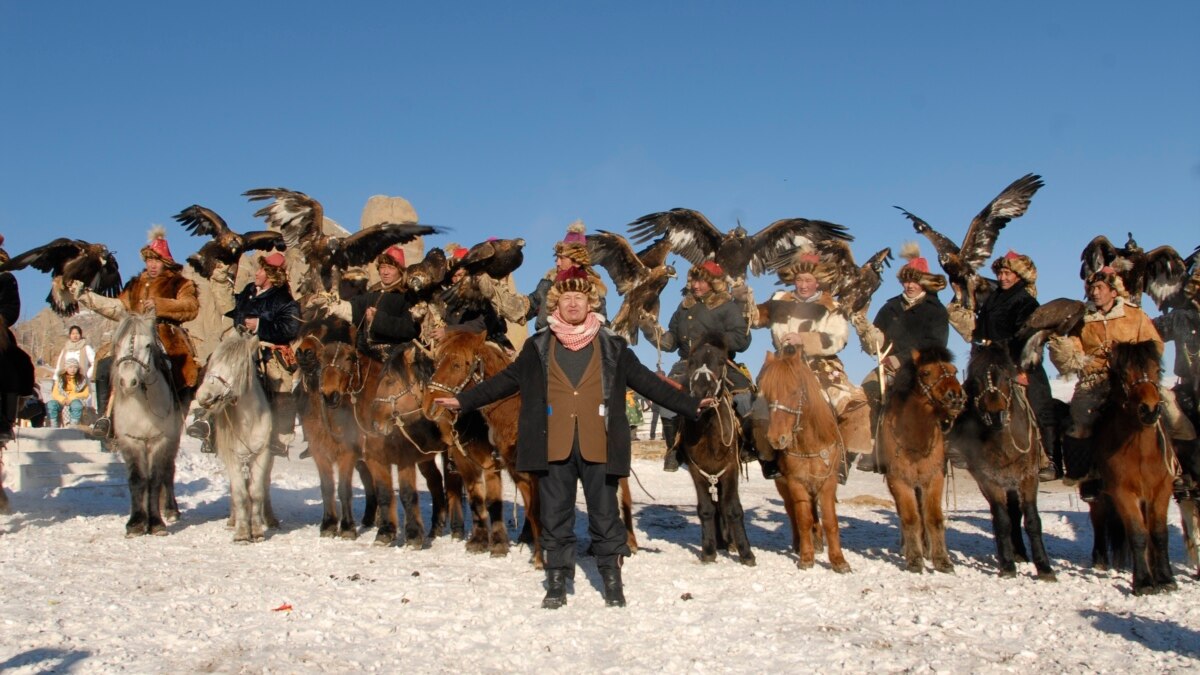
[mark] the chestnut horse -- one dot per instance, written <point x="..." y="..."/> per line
<point x="998" y="434"/>
<point x="462" y="360"/>
<point x="922" y="403"/>
<point x="356" y="377"/>
<point x="1131" y="454"/>
<point x="804" y="432"/>
<point x="332" y="436"/>
<point x="711" y="444"/>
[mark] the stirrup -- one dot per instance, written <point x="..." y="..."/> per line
<point x="199" y="429"/>
<point x="304" y="454"/>
<point x="101" y="428"/>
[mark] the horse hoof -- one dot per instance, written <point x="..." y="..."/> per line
<point x="134" y="533"/>
<point x="944" y="568"/>
<point x="383" y="539"/>
<point x="476" y="547"/>
<point x="1020" y="558"/>
<point x="805" y="564"/>
<point x="842" y="567"/>
<point x="708" y="558"/>
<point x="916" y="568"/>
<point x="749" y="562"/>
<point x="328" y="533"/>
<point x="415" y="544"/>
<point x="1100" y="567"/>
<point x="1048" y="577"/>
<point x="1008" y="573"/>
<point x="1169" y="587"/>
<point x="350" y="533"/>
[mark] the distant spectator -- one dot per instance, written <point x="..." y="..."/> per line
<point x="70" y="392"/>
<point x="79" y="349"/>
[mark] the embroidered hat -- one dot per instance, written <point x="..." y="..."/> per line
<point x="394" y="256"/>
<point x="157" y="247"/>
<point x="917" y="269"/>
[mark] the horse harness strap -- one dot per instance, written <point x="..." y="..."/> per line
<point x="712" y="480"/>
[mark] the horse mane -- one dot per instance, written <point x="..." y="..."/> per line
<point x="467" y="345"/>
<point x="1133" y="356"/>
<point x="906" y="378"/>
<point x="983" y="358"/>
<point x="130" y="324"/>
<point x="235" y="355"/>
<point x="714" y="339"/>
<point x="329" y="329"/>
<point x="788" y="370"/>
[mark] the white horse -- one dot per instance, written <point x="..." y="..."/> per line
<point x="147" y="419"/>
<point x="240" y="415"/>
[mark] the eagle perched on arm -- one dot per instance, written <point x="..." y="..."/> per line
<point x="1161" y="273"/>
<point x="226" y="246"/>
<point x="692" y="236"/>
<point x="961" y="263"/>
<point x="301" y="220"/>
<point x="70" y="260"/>
<point x="640" y="277"/>
<point x="851" y="284"/>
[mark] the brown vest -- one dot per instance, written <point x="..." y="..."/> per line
<point x="575" y="408"/>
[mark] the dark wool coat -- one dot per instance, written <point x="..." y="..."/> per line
<point x="619" y="369"/>
<point x="475" y="318"/>
<point x="1001" y="316"/>
<point x="694" y="319"/>
<point x="393" y="323"/>
<point x="16" y="369"/>
<point x="925" y="324"/>
<point x="277" y="312"/>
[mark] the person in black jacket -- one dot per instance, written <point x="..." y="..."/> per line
<point x="16" y="369"/>
<point x="573" y="427"/>
<point x="998" y="321"/>
<point x="913" y="320"/>
<point x="266" y="308"/>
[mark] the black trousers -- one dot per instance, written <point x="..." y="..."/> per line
<point x="557" y="490"/>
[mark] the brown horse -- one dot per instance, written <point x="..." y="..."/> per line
<point x="711" y="445"/>
<point x="332" y="436"/>
<point x="1131" y="455"/>
<point x="922" y="403"/>
<point x="804" y="431"/>
<point x="998" y="435"/>
<point x="356" y="377"/>
<point x="462" y="360"/>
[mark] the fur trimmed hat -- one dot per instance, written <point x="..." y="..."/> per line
<point x="917" y="269"/>
<point x="711" y="272"/>
<point x="156" y="247"/>
<point x="455" y="252"/>
<point x="577" y="280"/>
<point x="574" y="245"/>
<point x="1020" y="265"/>
<point x="806" y="261"/>
<point x="1109" y="276"/>
<point x="393" y="255"/>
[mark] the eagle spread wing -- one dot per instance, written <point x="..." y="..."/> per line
<point x="368" y="243"/>
<point x="496" y="258"/>
<point x="688" y="232"/>
<point x="1165" y="278"/>
<point x="1012" y="202"/>
<point x="770" y="245"/>
<point x="613" y="252"/>
<point x="67" y="261"/>
<point x="295" y="214"/>
<point x="226" y="245"/>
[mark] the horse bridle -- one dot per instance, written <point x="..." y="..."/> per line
<point x="146" y="368"/>
<point x="990" y="387"/>
<point x="1127" y="386"/>
<point x="356" y="375"/>
<point x="474" y="375"/>
<point x="798" y="411"/>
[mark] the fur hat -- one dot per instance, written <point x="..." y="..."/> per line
<point x="455" y="252"/>
<point x="574" y="245"/>
<point x="1108" y="276"/>
<point x="156" y="247"/>
<point x="806" y="261"/>
<point x="578" y="280"/>
<point x="917" y="269"/>
<point x="394" y="256"/>
<point x="1020" y="265"/>
<point x="275" y="266"/>
<point x="71" y="361"/>
<point x="711" y="272"/>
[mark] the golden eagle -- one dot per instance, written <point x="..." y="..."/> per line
<point x="961" y="263"/>
<point x="1161" y="273"/>
<point x="301" y="220"/>
<point x="851" y="284"/>
<point x="1057" y="317"/>
<point x="226" y="246"/>
<point x="70" y="260"/>
<point x="640" y="277"/>
<point x="692" y="236"/>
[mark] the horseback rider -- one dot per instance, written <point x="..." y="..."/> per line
<point x="707" y="308"/>
<point x="910" y="321"/>
<point x="1109" y="320"/>
<point x="16" y="369"/>
<point x="266" y="308"/>
<point x="806" y="318"/>
<point x="1181" y="325"/>
<point x="472" y="312"/>
<point x="159" y="288"/>
<point x="997" y="321"/>
<point x="572" y="427"/>
<point x="569" y="253"/>
<point x="383" y="315"/>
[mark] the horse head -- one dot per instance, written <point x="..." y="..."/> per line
<point x="230" y="371"/>
<point x="937" y="378"/>
<point x="340" y="374"/>
<point x="401" y="391"/>
<point x="139" y="359"/>
<point x="1134" y="370"/>
<point x="458" y="364"/>
<point x="990" y="376"/>
<point x="707" y="367"/>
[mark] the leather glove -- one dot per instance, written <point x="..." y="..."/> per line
<point x="77" y="288"/>
<point x="962" y="319"/>
<point x="742" y="293"/>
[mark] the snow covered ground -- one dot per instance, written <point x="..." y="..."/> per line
<point x="80" y="597"/>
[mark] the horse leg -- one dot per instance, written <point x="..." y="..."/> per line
<point x="528" y="486"/>
<point x="329" y="519"/>
<point x="1130" y="513"/>
<point x="829" y="522"/>
<point x="497" y="532"/>
<point x="910" y="525"/>
<point x="438" y="511"/>
<point x="342" y="517"/>
<point x="476" y="486"/>
<point x="804" y="523"/>
<point x="385" y="499"/>
<point x="1190" y="515"/>
<point x="627" y="516"/>
<point x="139" y="487"/>
<point x="239" y="499"/>
<point x="454" y="501"/>
<point x="1002" y="528"/>
<point x="260" y="486"/>
<point x="817" y="534"/>
<point x="1033" y="530"/>
<point x="1159" y="558"/>
<point x="735" y="518"/>
<point x="371" y="506"/>
<point x="935" y="524"/>
<point x="1015" y="516"/>
<point x="1098" y="514"/>
<point x="168" y="507"/>
<point x="414" y="530"/>
<point x="789" y="505"/>
<point x="706" y="508"/>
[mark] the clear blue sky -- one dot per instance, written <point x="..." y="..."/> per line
<point x="512" y="119"/>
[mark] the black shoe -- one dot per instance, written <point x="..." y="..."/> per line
<point x="1089" y="490"/>
<point x="304" y="454"/>
<point x="770" y="469"/>
<point x="1183" y="488"/>
<point x="556" y="589"/>
<point x="671" y="460"/>
<point x="1047" y="474"/>
<point x="1077" y="459"/>
<point x="199" y="429"/>
<point x="278" y="449"/>
<point x="6" y="435"/>
<point x="866" y="462"/>
<point x="101" y="428"/>
<point x="614" y="591"/>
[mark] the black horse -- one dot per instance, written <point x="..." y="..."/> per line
<point x="998" y="435"/>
